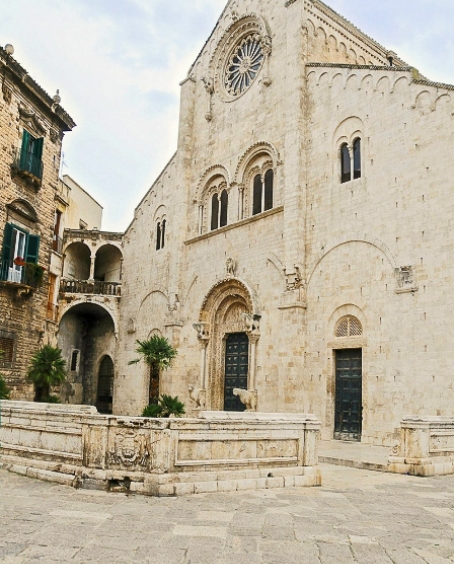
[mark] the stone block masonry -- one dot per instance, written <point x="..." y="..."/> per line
<point x="219" y="451"/>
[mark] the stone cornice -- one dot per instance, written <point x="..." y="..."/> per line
<point x="276" y="210"/>
<point x="365" y="67"/>
<point x="17" y="75"/>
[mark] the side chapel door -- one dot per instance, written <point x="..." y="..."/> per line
<point x="236" y="369"/>
<point x="349" y="400"/>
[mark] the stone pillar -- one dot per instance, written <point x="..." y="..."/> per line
<point x="91" y="278"/>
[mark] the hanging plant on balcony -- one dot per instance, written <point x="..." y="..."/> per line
<point x="34" y="274"/>
<point x="19" y="261"/>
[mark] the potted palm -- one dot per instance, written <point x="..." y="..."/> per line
<point x="47" y="370"/>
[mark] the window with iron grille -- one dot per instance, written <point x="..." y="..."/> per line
<point x="349" y="326"/>
<point x="7" y="344"/>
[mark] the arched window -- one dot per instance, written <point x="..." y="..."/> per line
<point x="219" y="209"/>
<point x="346" y="169"/>
<point x="224" y="206"/>
<point x="163" y="233"/>
<point x="257" y="195"/>
<point x="158" y="236"/>
<point x="262" y="197"/>
<point x="357" y="158"/>
<point x="349" y="326"/>
<point x="214" y="212"/>
<point x="269" y="179"/>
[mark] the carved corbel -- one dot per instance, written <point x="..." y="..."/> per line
<point x="267" y="48"/>
<point x="7" y="92"/>
<point x="252" y="323"/>
<point x="209" y="87"/>
<point x="203" y="330"/>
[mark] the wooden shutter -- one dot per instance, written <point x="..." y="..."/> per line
<point x="24" y="150"/>
<point x="6" y="251"/>
<point x="31" y="253"/>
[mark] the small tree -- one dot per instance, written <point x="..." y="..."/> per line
<point x="47" y="369"/>
<point x="158" y="354"/>
<point x="166" y="406"/>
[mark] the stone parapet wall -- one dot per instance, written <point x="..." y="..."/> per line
<point x="219" y="451"/>
<point x="426" y="447"/>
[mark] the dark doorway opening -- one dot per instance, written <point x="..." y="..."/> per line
<point x="236" y="369"/>
<point x="105" y="386"/>
<point x="349" y="395"/>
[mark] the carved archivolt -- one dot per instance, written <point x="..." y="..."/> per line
<point x="223" y="289"/>
<point x="208" y="177"/>
<point x="251" y="154"/>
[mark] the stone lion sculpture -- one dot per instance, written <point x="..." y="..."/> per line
<point x="247" y="398"/>
<point x="198" y="395"/>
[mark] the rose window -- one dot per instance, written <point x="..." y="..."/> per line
<point x="243" y="66"/>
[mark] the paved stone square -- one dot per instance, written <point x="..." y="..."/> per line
<point x="356" y="516"/>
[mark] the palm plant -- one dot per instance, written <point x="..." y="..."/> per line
<point x="47" y="369"/>
<point x="166" y="406"/>
<point x="158" y="354"/>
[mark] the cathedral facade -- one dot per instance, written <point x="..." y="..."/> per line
<point x="298" y="244"/>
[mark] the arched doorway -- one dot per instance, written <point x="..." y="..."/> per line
<point x="229" y="313"/>
<point x="105" y="385"/>
<point x="86" y="333"/>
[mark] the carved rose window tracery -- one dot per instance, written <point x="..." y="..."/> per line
<point x="243" y="65"/>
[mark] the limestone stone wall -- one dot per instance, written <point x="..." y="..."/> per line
<point x="217" y="452"/>
<point x="375" y="249"/>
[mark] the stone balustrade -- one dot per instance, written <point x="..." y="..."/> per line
<point x="426" y="447"/>
<point x="219" y="451"/>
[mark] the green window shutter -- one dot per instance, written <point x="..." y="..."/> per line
<point x="6" y="251"/>
<point x="24" y="150"/>
<point x="38" y="148"/>
<point x="31" y="252"/>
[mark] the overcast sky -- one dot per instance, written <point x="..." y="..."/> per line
<point x="118" y="64"/>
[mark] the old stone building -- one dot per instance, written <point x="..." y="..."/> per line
<point x="32" y="126"/>
<point x="298" y="244"/>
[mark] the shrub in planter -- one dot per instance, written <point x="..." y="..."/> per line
<point x="4" y="390"/>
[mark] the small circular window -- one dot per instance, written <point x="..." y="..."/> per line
<point x="243" y="65"/>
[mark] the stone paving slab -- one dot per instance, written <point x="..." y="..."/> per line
<point x="357" y="516"/>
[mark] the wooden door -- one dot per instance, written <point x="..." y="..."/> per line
<point x="349" y="398"/>
<point x="236" y="369"/>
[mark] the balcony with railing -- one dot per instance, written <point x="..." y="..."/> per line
<point x="94" y="287"/>
<point x="24" y="275"/>
<point x="28" y="166"/>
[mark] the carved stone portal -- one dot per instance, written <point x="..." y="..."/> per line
<point x="228" y="308"/>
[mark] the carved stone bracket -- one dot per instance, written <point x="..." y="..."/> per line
<point x="203" y="330"/>
<point x="7" y="92"/>
<point x="252" y="323"/>
<point x="209" y="87"/>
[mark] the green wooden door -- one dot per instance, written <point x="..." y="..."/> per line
<point x="349" y="395"/>
<point x="236" y="369"/>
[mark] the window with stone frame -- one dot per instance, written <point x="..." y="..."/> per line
<point x="20" y="249"/>
<point x="350" y="161"/>
<point x="7" y="349"/>
<point x="216" y="205"/>
<point x="160" y="233"/>
<point x="262" y="193"/>
<point x="30" y="155"/>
